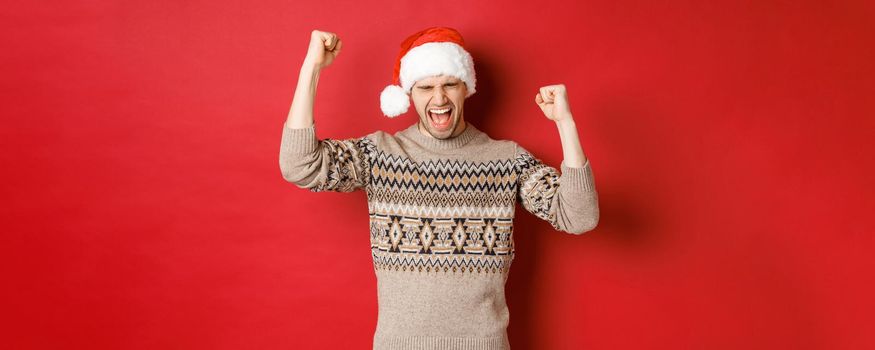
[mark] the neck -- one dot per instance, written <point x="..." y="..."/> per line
<point x="459" y="139"/>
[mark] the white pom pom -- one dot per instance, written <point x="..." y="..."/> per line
<point x="394" y="101"/>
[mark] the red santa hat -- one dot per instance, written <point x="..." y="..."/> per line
<point x="431" y="51"/>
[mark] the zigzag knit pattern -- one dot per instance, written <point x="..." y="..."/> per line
<point x="441" y="215"/>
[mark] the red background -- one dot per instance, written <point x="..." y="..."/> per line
<point x="144" y="207"/>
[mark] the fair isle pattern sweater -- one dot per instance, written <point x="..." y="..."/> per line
<point x="441" y="223"/>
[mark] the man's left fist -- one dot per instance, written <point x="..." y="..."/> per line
<point x="553" y="100"/>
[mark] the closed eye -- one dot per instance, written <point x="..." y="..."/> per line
<point x="426" y="87"/>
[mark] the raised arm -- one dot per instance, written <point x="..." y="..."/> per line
<point x="304" y="159"/>
<point x="567" y="199"/>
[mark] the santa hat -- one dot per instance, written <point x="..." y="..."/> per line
<point x="431" y="51"/>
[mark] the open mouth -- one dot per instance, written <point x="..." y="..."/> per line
<point x="440" y="118"/>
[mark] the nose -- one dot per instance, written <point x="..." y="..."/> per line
<point x="440" y="98"/>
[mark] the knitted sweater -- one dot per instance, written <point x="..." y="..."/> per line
<point x="441" y="223"/>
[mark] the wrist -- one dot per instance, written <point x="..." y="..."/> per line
<point x="565" y="122"/>
<point x="310" y="67"/>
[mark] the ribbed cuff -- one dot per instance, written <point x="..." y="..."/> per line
<point x="577" y="179"/>
<point x="440" y="343"/>
<point x="299" y="141"/>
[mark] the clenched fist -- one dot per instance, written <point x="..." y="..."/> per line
<point x="553" y="101"/>
<point x="324" y="48"/>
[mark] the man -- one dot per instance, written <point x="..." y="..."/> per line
<point x="441" y="193"/>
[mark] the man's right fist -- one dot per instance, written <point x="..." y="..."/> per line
<point x="324" y="48"/>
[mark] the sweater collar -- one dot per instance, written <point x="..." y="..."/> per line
<point x="427" y="141"/>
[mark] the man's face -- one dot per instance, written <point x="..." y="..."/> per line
<point x="436" y="94"/>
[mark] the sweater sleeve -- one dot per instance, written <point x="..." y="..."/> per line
<point x="323" y="165"/>
<point x="567" y="200"/>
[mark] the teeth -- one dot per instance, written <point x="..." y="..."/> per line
<point x="440" y="111"/>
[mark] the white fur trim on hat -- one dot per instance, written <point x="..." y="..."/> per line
<point x="394" y="101"/>
<point x="436" y="58"/>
